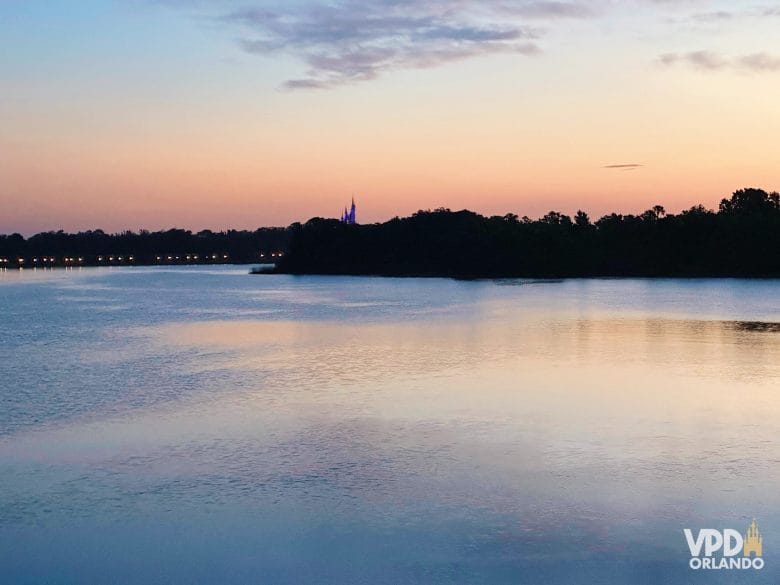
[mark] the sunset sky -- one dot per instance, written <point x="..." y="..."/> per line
<point x="131" y="114"/>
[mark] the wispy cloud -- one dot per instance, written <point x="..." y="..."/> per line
<point x="699" y="59"/>
<point x="711" y="61"/>
<point x="714" y="16"/>
<point x="624" y="167"/>
<point x="551" y="10"/>
<point x="759" y="62"/>
<point x="346" y="41"/>
<point x="734" y="13"/>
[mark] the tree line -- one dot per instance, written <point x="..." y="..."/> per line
<point x="162" y="247"/>
<point x="741" y="238"/>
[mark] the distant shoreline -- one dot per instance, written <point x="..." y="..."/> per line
<point x="532" y="279"/>
<point x="739" y="240"/>
<point x="173" y="247"/>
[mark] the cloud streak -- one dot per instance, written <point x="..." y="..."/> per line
<point x="624" y="167"/>
<point x="711" y="61"/>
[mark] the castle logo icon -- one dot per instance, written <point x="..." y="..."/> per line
<point x="754" y="542"/>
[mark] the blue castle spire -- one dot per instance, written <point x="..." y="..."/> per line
<point x="350" y="215"/>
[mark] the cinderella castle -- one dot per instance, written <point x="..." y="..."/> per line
<point x="348" y="216"/>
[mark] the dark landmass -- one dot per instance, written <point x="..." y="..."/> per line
<point x="741" y="239"/>
<point x="175" y="246"/>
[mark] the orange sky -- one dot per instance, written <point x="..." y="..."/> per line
<point x="190" y="128"/>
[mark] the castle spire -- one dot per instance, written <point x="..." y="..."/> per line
<point x="350" y="216"/>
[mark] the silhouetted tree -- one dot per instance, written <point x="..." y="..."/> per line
<point x="581" y="219"/>
<point x="751" y="201"/>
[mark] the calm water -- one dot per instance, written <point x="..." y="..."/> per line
<point x="203" y="425"/>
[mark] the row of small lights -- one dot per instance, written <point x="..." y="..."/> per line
<point x="45" y="260"/>
<point x="212" y="257"/>
<point x="80" y="259"/>
<point x="115" y="258"/>
<point x="66" y="259"/>
<point x="191" y="257"/>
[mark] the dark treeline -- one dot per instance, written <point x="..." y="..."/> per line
<point x="173" y="246"/>
<point x="741" y="239"/>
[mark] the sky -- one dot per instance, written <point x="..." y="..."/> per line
<point x="130" y="114"/>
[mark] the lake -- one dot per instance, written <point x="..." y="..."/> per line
<point x="201" y="425"/>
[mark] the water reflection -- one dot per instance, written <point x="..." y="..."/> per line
<point x="486" y="437"/>
<point x="335" y="352"/>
